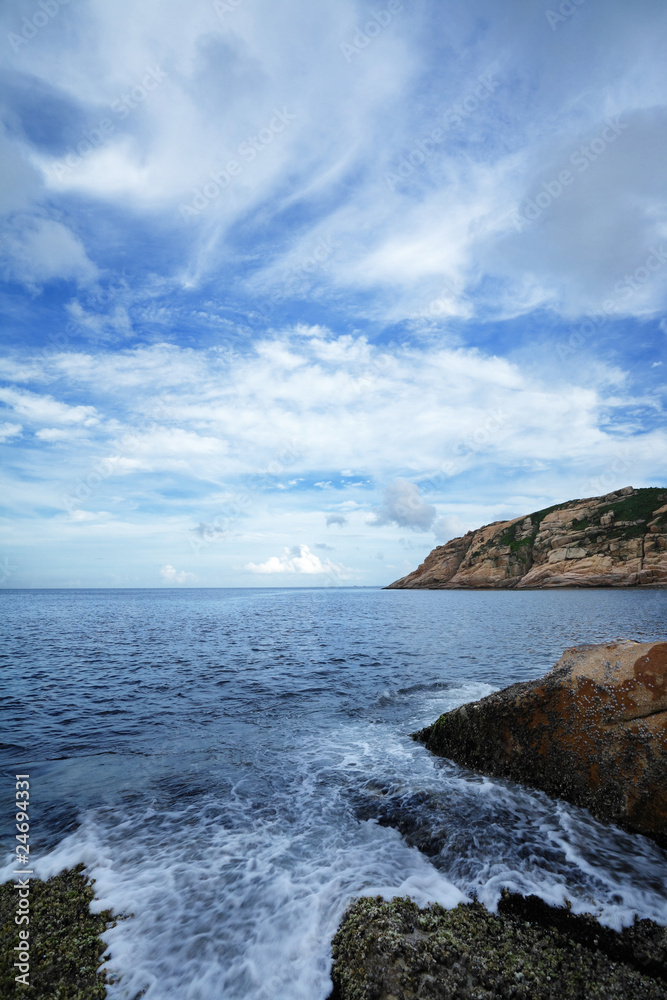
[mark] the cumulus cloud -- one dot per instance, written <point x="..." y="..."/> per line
<point x="339" y="519"/>
<point x="172" y="575"/>
<point x="403" y="506"/>
<point x="298" y="559"/>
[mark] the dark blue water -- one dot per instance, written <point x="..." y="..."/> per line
<point x="235" y="765"/>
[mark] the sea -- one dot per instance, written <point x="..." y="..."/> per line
<point x="233" y="767"/>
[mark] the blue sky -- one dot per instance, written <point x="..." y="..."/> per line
<point x="293" y="292"/>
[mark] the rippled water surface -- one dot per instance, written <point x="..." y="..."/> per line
<point x="233" y="766"/>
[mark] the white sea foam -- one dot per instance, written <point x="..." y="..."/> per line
<point x="242" y="913"/>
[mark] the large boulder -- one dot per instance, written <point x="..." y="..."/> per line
<point x="593" y="731"/>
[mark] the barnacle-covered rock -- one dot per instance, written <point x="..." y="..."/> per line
<point x="64" y="943"/>
<point x="527" y="951"/>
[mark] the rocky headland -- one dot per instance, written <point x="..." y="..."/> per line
<point x="616" y="540"/>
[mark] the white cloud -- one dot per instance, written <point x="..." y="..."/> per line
<point x="298" y="559"/>
<point x="450" y="219"/>
<point x="53" y="434"/>
<point x="168" y="448"/>
<point x="45" y="409"/>
<point x="172" y="575"/>
<point x="402" y="505"/>
<point x="101" y="325"/>
<point x="41" y="250"/>
<point x="427" y="413"/>
<point x="8" y="431"/>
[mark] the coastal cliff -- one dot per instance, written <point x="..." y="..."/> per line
<point x="616" y="540"/>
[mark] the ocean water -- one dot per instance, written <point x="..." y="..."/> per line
<point x="234" y="766"/>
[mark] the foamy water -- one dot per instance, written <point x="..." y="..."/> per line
<point x="234" y="767"/>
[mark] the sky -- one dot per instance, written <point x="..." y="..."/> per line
<point x="293" y="292"/>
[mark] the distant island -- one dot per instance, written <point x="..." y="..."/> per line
<point x="616" y="540"/>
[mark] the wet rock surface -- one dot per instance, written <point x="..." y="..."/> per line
<point x="592" y="731"/>
<point x="527" y="951"/>
<point x="616" y="540"/>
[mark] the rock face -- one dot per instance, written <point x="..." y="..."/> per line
<point x="528" y="951"/>
<point x="618" y="540"/>
<point x="593" y="731"/>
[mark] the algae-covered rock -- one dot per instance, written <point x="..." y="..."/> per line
<point x="65" y="947"/>
<point x="396" y="951"/>
<point x="593" y="731"/>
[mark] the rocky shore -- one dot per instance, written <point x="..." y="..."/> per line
<point x="616" y="540"/>
<point x="527" y="951"/>
<point x="592" y="731"/>
<point x="65" y="946"/>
